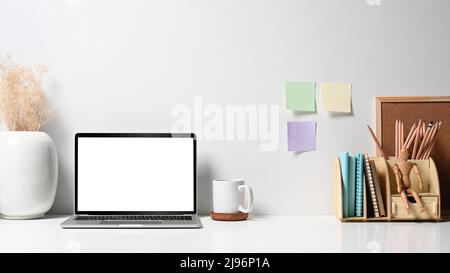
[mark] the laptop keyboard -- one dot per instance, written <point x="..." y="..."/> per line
<point x="134" y="217"/>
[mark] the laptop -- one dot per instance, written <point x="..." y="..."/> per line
<point x="135" y="180"/>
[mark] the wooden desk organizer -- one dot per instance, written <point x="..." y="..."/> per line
<point x="395" y="209"/>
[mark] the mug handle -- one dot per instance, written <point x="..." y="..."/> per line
<point x="248" y="196"/>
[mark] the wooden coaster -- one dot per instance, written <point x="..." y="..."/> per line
<point x="228" y="216"/>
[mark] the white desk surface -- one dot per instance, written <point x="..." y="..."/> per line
<point x="260" y="234"/>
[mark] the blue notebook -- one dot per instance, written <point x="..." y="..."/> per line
<point x="344" y="160"/>
<point x="359" y="185"/>
<point x="352" y="186"/>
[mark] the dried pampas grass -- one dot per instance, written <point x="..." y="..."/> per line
<point x="21" y="96"/>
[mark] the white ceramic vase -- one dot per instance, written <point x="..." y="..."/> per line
<point x="28" y="174"/>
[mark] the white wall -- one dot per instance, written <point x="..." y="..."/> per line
<point x="123" y="65"/>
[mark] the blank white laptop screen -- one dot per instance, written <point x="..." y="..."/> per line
<point x="135" y="174"/>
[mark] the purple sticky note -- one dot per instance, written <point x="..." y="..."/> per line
<point x="301" y="136"/>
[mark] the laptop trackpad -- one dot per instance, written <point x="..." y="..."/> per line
<point x="130" y="222"/>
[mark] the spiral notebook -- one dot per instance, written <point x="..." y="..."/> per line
<point x="375" y="206"/>
<point x="359" y="198"/>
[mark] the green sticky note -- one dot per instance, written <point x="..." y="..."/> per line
<point x="336" y="97"/>
<point x="300" y="96"/>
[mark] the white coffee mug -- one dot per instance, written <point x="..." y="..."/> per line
<point x="230" y="196"/>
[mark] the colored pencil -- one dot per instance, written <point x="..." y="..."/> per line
<point x="417" y="138"/>
<point x="424" y="143"/>
<point x="377" y="142"/>
<point x="410" y="136"/>
<point x="396" y="138"/>
<point x="402" y="136"/>
<point x="433" y="141"/>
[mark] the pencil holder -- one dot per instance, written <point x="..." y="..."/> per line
<point x="395" y="209"/>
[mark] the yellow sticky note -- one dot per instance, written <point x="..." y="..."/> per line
<point x="336" y="97"/>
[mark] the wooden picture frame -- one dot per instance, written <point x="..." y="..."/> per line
<point x="401" y="99"/>
<point x="410" y="109"/>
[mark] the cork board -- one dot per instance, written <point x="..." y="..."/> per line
<point x="410" y="110"/>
